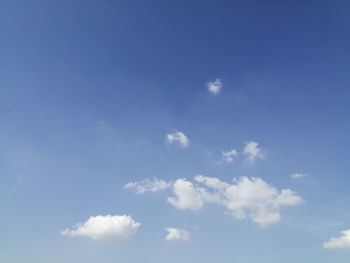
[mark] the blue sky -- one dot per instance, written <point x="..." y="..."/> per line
<point x="98" y="95"/>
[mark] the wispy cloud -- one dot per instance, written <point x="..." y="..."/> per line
<point x="106" y="228"/>
<point x="175" y="234"/>
<point x="214" y="86"/>
<point x="148" y="185"/>
<point x="228" y="156"/>
<point x="178" y="137"/>
<point x="250" y="153"/>
<point x="297" y="175"/>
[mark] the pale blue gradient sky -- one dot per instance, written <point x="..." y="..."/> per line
<point x="89" y="90"/>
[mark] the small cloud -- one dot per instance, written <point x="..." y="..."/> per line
<point x="253" y="152"/>
<point x="297" y="175"/>
<point x="214" y="86"/>
<point x="227" y="156"/>
<point x="148" y="186"/>
<point x="342" y="242"/>
<point x="105" y="228"/>
<point x="178" y="137"/>
<point x="177" y="234"/>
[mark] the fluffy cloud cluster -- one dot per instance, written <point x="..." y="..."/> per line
<point x="148" y="185"/>
<point x="342" y="242"/>
<point x="251" y="153"/>
<point x="214" y="86"/>
<point x="177" y="234"/>
<point x="243" y="198"/>
<point x="178" y="137"/>
<point x="107" y="228"/>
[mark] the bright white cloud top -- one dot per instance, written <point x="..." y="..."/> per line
<point x="342" y="242"/>
<point x="252" y="152"/>
<point x="297" y="175"/>
<point x="227" y="156"/>
<point x="175" y="234"/>
<point x="214" y="86"/>
<point x="187" y="195"/>
<point x="148" y="185"/>
<point x="106" y="228"/>
<point x="244" y="198"/>
<point x="178" y="137"/>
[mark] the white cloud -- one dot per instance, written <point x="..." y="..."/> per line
<point x="253" y="198"/>
<point x="148" y="185"/>
<point x="297" y="175"/>
<point x="227" y="156"/>
<point x="187" y="196"/>
<point x="211" y="182"/>
<point x="179" y="137"/>
<point x="177" y="234"/>
<point x="245" y="197"/>
<point x="107" y="228"/>
<point x="253" y="152"/>
<point x="342" y="242"/>
<point x="214" y="86"/>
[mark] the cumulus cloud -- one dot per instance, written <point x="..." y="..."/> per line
<point x="297" y="175"/>
<point x="106" y="228"/>
<point x="186" y="196"/>
<point x="177" y="234"/>
<point x="342" y="242"/>
<point x="178" y="137"/>
<point x="227" y="156"/>
<point x="245" y="197"/>
<point x="214" y="86"/>
<point x="252" y="152"/>
<point x="251" y="197"/>
<point x="148" y="185"/>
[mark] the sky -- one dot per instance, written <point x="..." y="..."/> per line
<point x="174" y="131"/>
